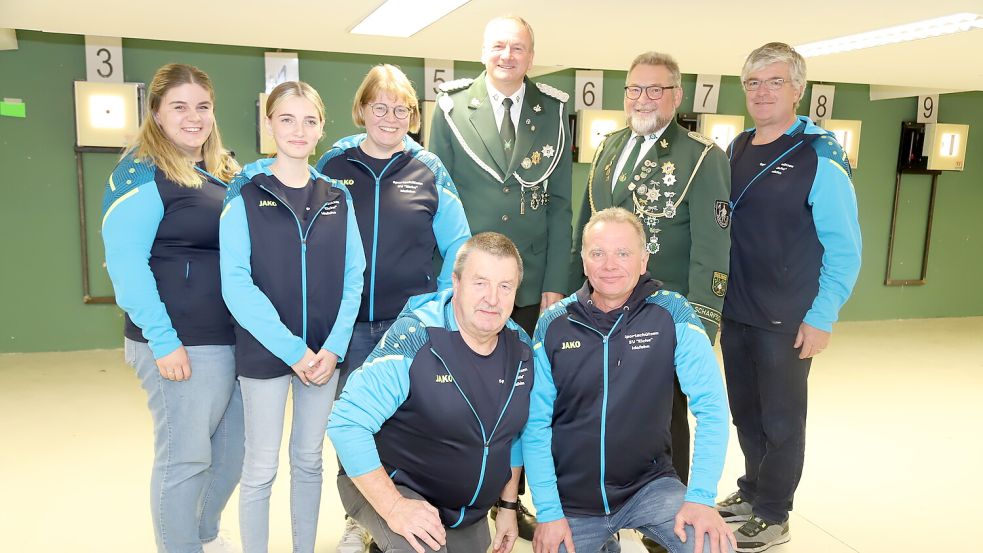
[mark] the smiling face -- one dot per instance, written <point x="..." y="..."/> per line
<point x="186" y="118"/>
<point x="507" y="54"/>
<point x="772" y="108"/>
<point x="613" y="262"/>
<point x="384" y="135"/>
<point x="645" y="116"/>
<point x="484" y="293"/>
<point x="296" y="127"/>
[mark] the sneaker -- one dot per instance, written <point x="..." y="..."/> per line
<point x="525" y="520"/>
<point x="734" y="508"/>
<point x="757" y="534"/>
<point x="221" y="544"/>
<point x="354" y="538"/>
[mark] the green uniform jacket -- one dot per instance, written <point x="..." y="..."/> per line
<point x="465" y="137"/>
<point x="691" y="213"/>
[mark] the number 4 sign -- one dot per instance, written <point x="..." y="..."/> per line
<point x="821" y="106"/>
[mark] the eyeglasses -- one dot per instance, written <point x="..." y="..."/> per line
<point x="380" y="110"/>
<point x="653" y="92"/>
<point x="751" y="85"/>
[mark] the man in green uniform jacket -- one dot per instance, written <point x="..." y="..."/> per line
<point x="512" y="173"/>
<point x="678" y="184"/>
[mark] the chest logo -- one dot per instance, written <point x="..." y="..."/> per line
<point x="571" y="345"/>
<point x="444" y="379"/>
<point x="267" y="203"/>
<point x="347" y="182"/>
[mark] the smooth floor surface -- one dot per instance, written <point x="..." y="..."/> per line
<point x="896" y="411"/>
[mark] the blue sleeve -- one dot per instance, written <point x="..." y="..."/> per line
<point x="247" y="303"/>
<point x="372" y="394"/>
<point x="537" y="439"/>
<point x="516" y="458"/>
<point x="699" y="378"/>
<point x="450" y="224"/>
<point x="834" y="211"/>
<point x="351" y="296"/>
<point x="129" y="227"/>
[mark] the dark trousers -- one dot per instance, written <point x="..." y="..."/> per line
<point x="767" y="385"/>
<point x="679" y="432"/>
<point x="525" y="317"/>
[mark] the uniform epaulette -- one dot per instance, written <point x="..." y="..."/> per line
<point x="129" y="173"/>
<point x="700" y="138"/>
<point x="455" y="85"/>
<point x="826" y="146"/>
<point x="553" y="92"/>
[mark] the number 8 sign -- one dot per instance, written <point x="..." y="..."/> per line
<point x="821" y="106"/>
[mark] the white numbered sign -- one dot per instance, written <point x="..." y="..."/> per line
<point x="928" y="109"/>
<point x="590" y="89"/>
<point x="280" y="68"/>
<point x="436" y="73"/>
<point x="103" y="59"/>
<point x="821" y="106"/>
<point x="706" y="94"/>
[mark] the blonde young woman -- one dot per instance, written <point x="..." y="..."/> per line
<point x="292" y="268"/>
<point x="160" y="228"/>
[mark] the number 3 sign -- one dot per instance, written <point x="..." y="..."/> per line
<point x="103" y="59"/>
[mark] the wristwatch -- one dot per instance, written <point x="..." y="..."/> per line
<point x="502" y="504"/>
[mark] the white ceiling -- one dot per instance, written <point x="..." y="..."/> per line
<point x="706" y="36"/>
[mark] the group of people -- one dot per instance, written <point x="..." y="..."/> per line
<point x="572" y="349"/>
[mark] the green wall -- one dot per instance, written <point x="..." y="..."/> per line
<point x="40" y="275"/>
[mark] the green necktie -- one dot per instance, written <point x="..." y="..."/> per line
<point x="629" y="167"/>
<point x="508" y="128"/>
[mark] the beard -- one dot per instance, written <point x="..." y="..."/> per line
<point x="648" y="123"/>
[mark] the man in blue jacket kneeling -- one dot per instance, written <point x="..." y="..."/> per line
<point x="427" y="429"/>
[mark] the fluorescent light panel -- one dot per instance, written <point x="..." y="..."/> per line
<point x="927" y="28"/>
<point x="405" y="18"/>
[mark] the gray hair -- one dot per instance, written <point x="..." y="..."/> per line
<point x="778" y="52"/>
<point x="519" y="21"/>
<point x="492" y="243"/>
<point x="658" y="58"/>
<point x="614" y="215"/>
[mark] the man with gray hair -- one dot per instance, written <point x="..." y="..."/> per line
<point x="427" y="429"/>
<point x="795" y="257"/>
<point x="678" y="184"/>
<point x="596" y="446"/>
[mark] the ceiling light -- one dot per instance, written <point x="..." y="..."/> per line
<point x="405" y="18"/>
<point x="927" y="28"/>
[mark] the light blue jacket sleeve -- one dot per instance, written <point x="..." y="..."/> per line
<point x="247" y="303"/>
<point x="450" y="224"/>
<point x="372" y="394"/>
<point x="129" y="227"/>
<point x="351" y="296"/>
<point x="537" y="439"/>
<point x="699" y="378"/>
<point x="834" y="211"/>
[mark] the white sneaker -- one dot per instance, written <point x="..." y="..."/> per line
<point x="221" y="544"/>
<point x="354" y="539"/>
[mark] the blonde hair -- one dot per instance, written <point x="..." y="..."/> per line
<point x="613" y="215"/>
<point x="290" y="89"/>
<point x="381" y="79"/>
<point x="152" y="144"/>
<point x="492" y="243"/>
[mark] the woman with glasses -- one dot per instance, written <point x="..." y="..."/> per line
<point x="407" y="207"/>
<point x="292" y="276"/>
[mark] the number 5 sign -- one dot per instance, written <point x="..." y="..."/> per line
<point x="436" y="73"/>
<point x="821" y="106"/>
<point x="590" y="89"/>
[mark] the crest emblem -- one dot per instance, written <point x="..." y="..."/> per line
<point x="719" y="284"/>
<point x="721" y="211"/>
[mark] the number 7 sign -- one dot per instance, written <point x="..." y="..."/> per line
<point x="706" y="94"/>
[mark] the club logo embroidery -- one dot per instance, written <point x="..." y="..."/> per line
<point x="721" y="211"/>
<point x="719" y="284"/>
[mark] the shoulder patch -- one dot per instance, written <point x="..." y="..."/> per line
<point x="405" y="337"/>
<point x="455" y="85"/>
<point x="677" y="306"/>
<point x="129" y="174"/>
<point x="827" y="147"/>
<point x="553" y="92"/>
<point x="700" y="138"/>
<point x="552" y="313"/>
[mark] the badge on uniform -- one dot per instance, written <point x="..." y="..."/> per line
<point x="721" y="211"/>
<point x="719" y="284"/>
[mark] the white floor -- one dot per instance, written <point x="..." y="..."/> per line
<point x="894" y="435"/>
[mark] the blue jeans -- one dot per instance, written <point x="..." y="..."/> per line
<point x="652" y="511"/>
<point x="198" y="443"/>
<point x="365" y="336"/>
<point x="264" y="403"/>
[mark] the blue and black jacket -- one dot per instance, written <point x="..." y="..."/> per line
<point x="406" y="410"/>
<point x="404" y="214"/>
<point x="290" y="285"/>
<point x="599" y="415"/>
<point x="162" y="254"/>
<point x="795" y="237"/>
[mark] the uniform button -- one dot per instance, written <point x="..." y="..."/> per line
<point x="506" y="190"/>
<point x="505" y="218"/>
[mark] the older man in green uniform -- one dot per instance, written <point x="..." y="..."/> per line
<point x="678" y="184"/>
<point x="505" y="142"/>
